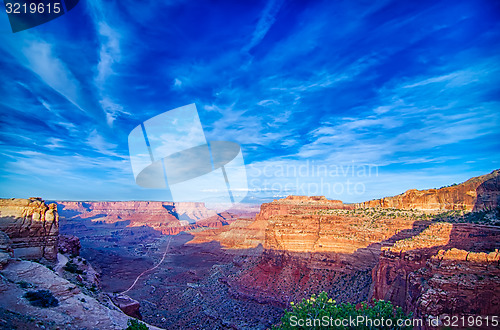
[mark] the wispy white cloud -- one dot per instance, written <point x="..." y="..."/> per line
<point x="415" y="123"/>
<point x="98" y="143"/>
<point x="110" y="54"/>
<point x="39" y="56"/>
<point x="265" y="22"/>
<point x="112" y="110"/>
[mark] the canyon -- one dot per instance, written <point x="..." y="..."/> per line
<point x="433" y="252"/>
<point x="167" y="217"/>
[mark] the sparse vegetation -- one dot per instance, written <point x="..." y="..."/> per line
<point x="41" y="298"/>
<point x="324" y="308"/>
<point x="24" y="285"/>
<point x="485" y="217"/>
<point x="72" y="268"/>
<point x="133" y="324"/>
<point x="451" y="185"/>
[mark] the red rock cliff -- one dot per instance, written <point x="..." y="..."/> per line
<point x="310" y="244"/>
<point x="474" y="194"/>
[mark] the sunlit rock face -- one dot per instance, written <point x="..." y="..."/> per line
<point x="168" y="217"/>
<point x="475" y="194"/>
<point x="299" y="245"/>
<point x="32" y="225"/>
<point x="312" y="244"/>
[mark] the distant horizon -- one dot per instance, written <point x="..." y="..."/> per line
<point x="353" y="101"/>
<point x="244" y="202"/>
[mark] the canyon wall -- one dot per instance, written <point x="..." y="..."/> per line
<point x="32" y="225"/>
<point x="29" y="230"/>
<point x="448" y="269"/>
<point x="299" y="246"/>
<point x="474" y="194"/>
<point x="168" y="217"/>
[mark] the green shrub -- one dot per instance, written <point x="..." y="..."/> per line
<point x="133" y="324"/>
<point x="72" y="268"/>
<point x="41" y="298"/>
<point x="328" y="314"/>
<point x="24" y="285"/>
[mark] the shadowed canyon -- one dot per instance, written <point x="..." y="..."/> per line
<point x="180" y="265"/>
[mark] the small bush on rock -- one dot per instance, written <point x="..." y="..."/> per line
<point x="72" y="268"/>
<point x="133" y="324"/>
<point x="41" y="298"/>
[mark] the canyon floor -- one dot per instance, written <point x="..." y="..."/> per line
<point x="187" y="290"/>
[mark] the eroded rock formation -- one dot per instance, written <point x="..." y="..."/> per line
<point x="30" y="231"/>
<point x="69" y="244"/>
<point x="474" y="194"/>
<point x="308" y="245"/>
<point x="32" y="225"/>
<point x="447" y="269"/>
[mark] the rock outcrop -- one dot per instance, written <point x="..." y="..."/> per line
<point x="32" y="225"/>
<point x="474" y="194"/>
<point x="6" y="252"/>
<point x="30" y="230"/>
<point x="306" y="244"/>
<point x="249" y="233"/>
<point x="75" y="309"/>
<point x="69" y="244"/>
<point x="128" y="305"/>
<point x="447" y="269"/>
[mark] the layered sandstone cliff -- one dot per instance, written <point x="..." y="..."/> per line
<point x="32" y="225"/>
<point x="307" y="244"/>
<point x="474" y="194"/>
<point x="448" y="269"/>
<point x="74" y="309"/>
<point x="249" y="233"/>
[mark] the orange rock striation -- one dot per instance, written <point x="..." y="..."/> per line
<point x="311" y="244"/>
<point x="299" y="245"/>
<point x="32" y="225"/>
<point x="474" y="194"/>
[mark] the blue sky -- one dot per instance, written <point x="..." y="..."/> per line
<point x="350" y="99"/>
